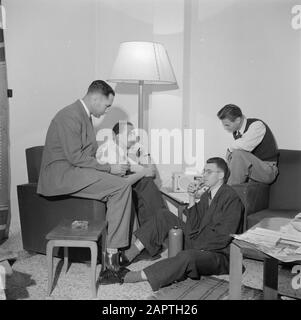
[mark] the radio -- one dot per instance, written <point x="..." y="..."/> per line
<point x="180" y="181"/>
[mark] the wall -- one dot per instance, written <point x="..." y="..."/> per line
<point x="149" y="20"/>
<point x="50" y="48"/>
<point x="245" y="52"/>
<point x="56" y="48"/>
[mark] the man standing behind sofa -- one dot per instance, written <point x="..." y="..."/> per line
<point x="253" y="153"/>
<point x="69" y="166"/>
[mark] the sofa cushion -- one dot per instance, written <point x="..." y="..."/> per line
<point x="268" y="213"/>
<point x="285" y="191"/>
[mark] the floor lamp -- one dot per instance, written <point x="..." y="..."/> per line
<point x="142" y="63"/>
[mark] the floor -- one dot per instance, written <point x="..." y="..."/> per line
<point x="30" y="279"/>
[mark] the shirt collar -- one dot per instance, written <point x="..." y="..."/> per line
<point x="214" y="190"/>
<point x="243" y="126"/>
<point x="85" y="107"/>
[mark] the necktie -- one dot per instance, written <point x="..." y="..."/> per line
<point x="237" y="135"/>
<point x="209" y="197"/>
<point x="91" y="120"/>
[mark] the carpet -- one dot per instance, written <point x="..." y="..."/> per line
<point x="29" y="281"/>
<point x="207" y="288"/>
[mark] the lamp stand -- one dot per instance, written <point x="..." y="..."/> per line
<point x="140" y="105"/>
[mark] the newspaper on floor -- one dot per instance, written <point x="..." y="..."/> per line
<point x="284" y="245"/>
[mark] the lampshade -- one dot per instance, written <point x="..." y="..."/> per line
<point x="146" y="61"/>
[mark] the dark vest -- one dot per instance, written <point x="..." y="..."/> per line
<point x="267" y="148"/>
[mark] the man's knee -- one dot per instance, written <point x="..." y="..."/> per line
<point x="187" y="256"/>
<point x="239" y="154"/>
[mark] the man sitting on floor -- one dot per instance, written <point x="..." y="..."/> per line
<point x="207" y="233"/>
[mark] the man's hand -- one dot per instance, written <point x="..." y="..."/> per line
<point x="202" y="189"/>
<point x="192" y="188"/>
<point x="228" y="156"/>
<point x="119" y="169"/>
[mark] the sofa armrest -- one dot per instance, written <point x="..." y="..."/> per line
<point x="255" y="197"/>
<point x="38" y="214"/>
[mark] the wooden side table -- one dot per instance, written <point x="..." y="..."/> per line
<point x="65" y="236"/>
<point x="270" y="265"/>
<point x="270" y="271"/>
<point x="180" y="205"/>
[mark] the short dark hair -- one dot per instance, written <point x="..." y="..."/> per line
<point x="116" y="128"/>
<point x="102" y="87"/>
<point x="221" y="164"/>
<point x="230" y="112"/>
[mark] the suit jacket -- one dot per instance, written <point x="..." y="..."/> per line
<point x="209" y="227"/>
<point x="68" y="162"/>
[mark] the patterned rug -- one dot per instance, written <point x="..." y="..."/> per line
<point x="207" y="288"/>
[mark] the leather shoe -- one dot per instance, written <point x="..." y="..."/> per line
<point x="123" y="260"/>
<point x="109" y="276"/>
<point x="112" y="261"/>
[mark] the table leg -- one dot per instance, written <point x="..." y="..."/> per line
<point x="235" y="272"/>
<point x="49" y="252"/>
<point x="270" y="279"/>
<point x="103" y="249"/>
<point x="65" y="267"/>
<point x="93" y="247"/>
<point x="180" y="212"/>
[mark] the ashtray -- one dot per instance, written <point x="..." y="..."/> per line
<point x="80" y="224"/>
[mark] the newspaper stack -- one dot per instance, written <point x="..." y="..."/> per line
<point x="284" y="245"/>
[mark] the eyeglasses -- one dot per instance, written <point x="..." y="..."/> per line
<point x="208" y="171"/>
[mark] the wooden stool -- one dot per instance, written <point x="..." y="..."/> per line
<point x="65" y="236"/>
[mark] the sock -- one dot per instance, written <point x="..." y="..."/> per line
<point x="132" y="252"/>
<point x="139" y="244"/>
<point x="133" y="276"/>
<point x="143" y="275"/>
<point x="112" y="250"/>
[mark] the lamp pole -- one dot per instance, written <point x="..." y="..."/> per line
<point x="140" y="105"/>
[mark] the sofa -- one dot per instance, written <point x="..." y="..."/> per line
<point x="39" y="214"/>
<point x="285" y="192"/>
<point x="280" y="199"/>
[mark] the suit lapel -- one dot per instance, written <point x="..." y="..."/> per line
<point x="83" y="113"/>
<point x="211" y="210"/>
<point x="90" y="134"/>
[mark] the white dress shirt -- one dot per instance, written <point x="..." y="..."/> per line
<point x="85" y="107"/>
<point x="214" y="190"/>
<point x="251" y="138"/>
<point x="112" y="153"/>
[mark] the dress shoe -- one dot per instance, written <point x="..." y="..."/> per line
<point x="123" y="260"/>
<point x="109" y="276"/>
<point x="112" y="261"/>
